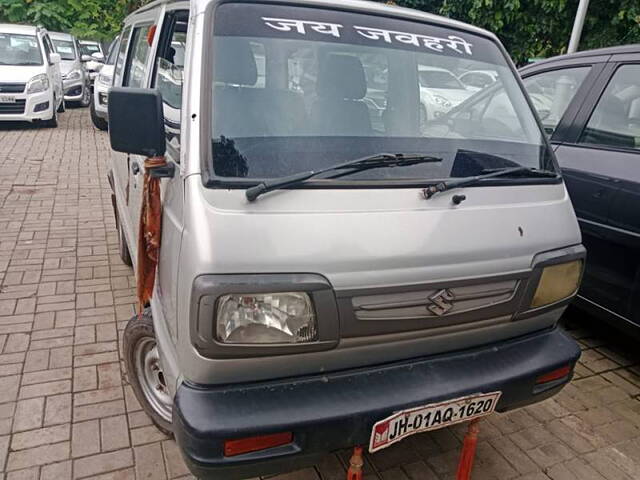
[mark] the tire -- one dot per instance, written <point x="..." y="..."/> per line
<point x="145" y="372"/>
<point x="86" y="97"/>
<point x="123" y="248"/>
<point x="98" y="122"/>
<point x="53" y="121"/>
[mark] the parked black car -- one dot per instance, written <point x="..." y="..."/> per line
<point x="589" y="104"/>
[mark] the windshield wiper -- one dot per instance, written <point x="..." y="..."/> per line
<point x="379" y="160"/>
<point x="431" y="190"/>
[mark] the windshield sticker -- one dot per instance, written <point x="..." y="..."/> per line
<point x="437" y="44"/>
<point x="427" y="41"/>
<point x="285" y="25"/>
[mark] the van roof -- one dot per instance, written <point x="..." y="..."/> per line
<point x="361" y="6"/>
<point x="16" y="28"/>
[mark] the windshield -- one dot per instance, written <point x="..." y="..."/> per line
<point x="439" y="79"/>
<point x="17" y="49"/>
<point x="297" y="89"/>
<point x="65" y="49"/>
<point x="89" y="48"/>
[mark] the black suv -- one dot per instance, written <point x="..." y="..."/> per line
<point x="589" y="104"/>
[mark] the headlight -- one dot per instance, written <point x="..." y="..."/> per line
<point x="557" y="282"/>
<point x="74" y="75"/>
<point x="105" y="79"/>
<point x="265" y="318"/>
<point x="39" y="83"/>
<point x="441" y="101"/>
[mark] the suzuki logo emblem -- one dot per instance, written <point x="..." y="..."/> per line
<point x="441" y="302"/>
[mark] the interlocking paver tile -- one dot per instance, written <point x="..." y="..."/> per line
<point x="67" y="412"/>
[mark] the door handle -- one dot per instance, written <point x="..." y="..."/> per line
<point x="135" y="168"/>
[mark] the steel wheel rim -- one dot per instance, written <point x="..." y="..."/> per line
<point x="151" y="378"/>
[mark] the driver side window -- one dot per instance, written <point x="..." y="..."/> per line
<point x="551" y="93"/>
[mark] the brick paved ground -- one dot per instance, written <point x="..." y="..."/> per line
<point x="65" y="411"/>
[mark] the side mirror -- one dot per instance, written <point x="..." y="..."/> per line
<point x="54" y="58"/>
<point x="86" y="58"/>
<point x="98" y="57"/>
<point x="136" y="121"/>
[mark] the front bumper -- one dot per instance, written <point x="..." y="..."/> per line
<point x="73" y="90"/>
<point x="337" y="410"/>
<point x="100" y="100"/>
<point x="28" y="107"/>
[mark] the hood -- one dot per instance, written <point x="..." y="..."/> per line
<point x="67" y="65"/>
<point x="19" y="74"/>
<point x="359" y="238"/>
<point x="455" y="96"/>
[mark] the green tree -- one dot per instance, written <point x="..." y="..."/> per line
<point x="94" y="19"/>
<point x="541" y="28"/>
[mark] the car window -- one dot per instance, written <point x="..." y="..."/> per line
<point x="476" y="79"/>
<point x="169" y="80"/>
<point x="65" y="48"/>
<point x="551" y="92"/>
<point x="135" y="73"/>
<point x="122" y="55"/>
<point x="616" y="119"/>
<point x="48" y="47"/>
<point x="18" y="49"/>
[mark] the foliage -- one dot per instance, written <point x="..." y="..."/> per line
<point x="94" y="19"/>
<point x="542" y="28"/>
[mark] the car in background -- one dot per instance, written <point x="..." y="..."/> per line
<point x="92" y="56"/>
<point x="30" y="79"/>
<point x="440" y="91"/>
<point x="99" y="101"/>
<point x="475" y="80"/>
<point x="75" y="79"/>
<point x="592" y="117"/>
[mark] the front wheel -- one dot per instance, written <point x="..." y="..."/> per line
<point x="53" y="121"/>
<point x="86" y="97"/>
<point x="98" y="122"/>
<point x="142" y="361"/>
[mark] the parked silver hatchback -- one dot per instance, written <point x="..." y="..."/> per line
<point x="75" y="79"/>
<point x="334" y="268"/>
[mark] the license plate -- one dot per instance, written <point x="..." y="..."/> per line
<point x="7" y="99"/>
<point x="402" y="424"/>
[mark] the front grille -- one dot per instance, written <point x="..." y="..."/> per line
<point x="430" y="303"/>
<point x="437" y="306"/>
<point x="12" y="108"/>
<point x="12" y="87"/>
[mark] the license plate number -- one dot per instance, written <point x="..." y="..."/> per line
<point x="402" y="424"/>
<point x="7" y="99"/>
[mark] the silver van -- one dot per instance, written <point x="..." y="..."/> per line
<point x="335" y="268"/>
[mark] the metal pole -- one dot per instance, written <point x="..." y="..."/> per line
<point x="577" y="26"/>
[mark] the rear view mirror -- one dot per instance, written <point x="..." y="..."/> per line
<point x="136" y="121"/>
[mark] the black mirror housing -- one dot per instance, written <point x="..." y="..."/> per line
<point x="136" y="121"/>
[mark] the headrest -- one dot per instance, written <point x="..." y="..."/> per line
<point x="234" y="62"/>
<point x="634" y="110"/>
<point x="341" y="77"/>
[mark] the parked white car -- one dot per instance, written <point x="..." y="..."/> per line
<point x="30" y="80"/>
<point x="99" y="101"/>
<point x="75" y="79"/>
<point x="92" y="56"/>
<point x="440" y="91"/>
<point x="475" y="80"/>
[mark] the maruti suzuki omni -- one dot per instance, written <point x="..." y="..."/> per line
<point x="336" y="269"/>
